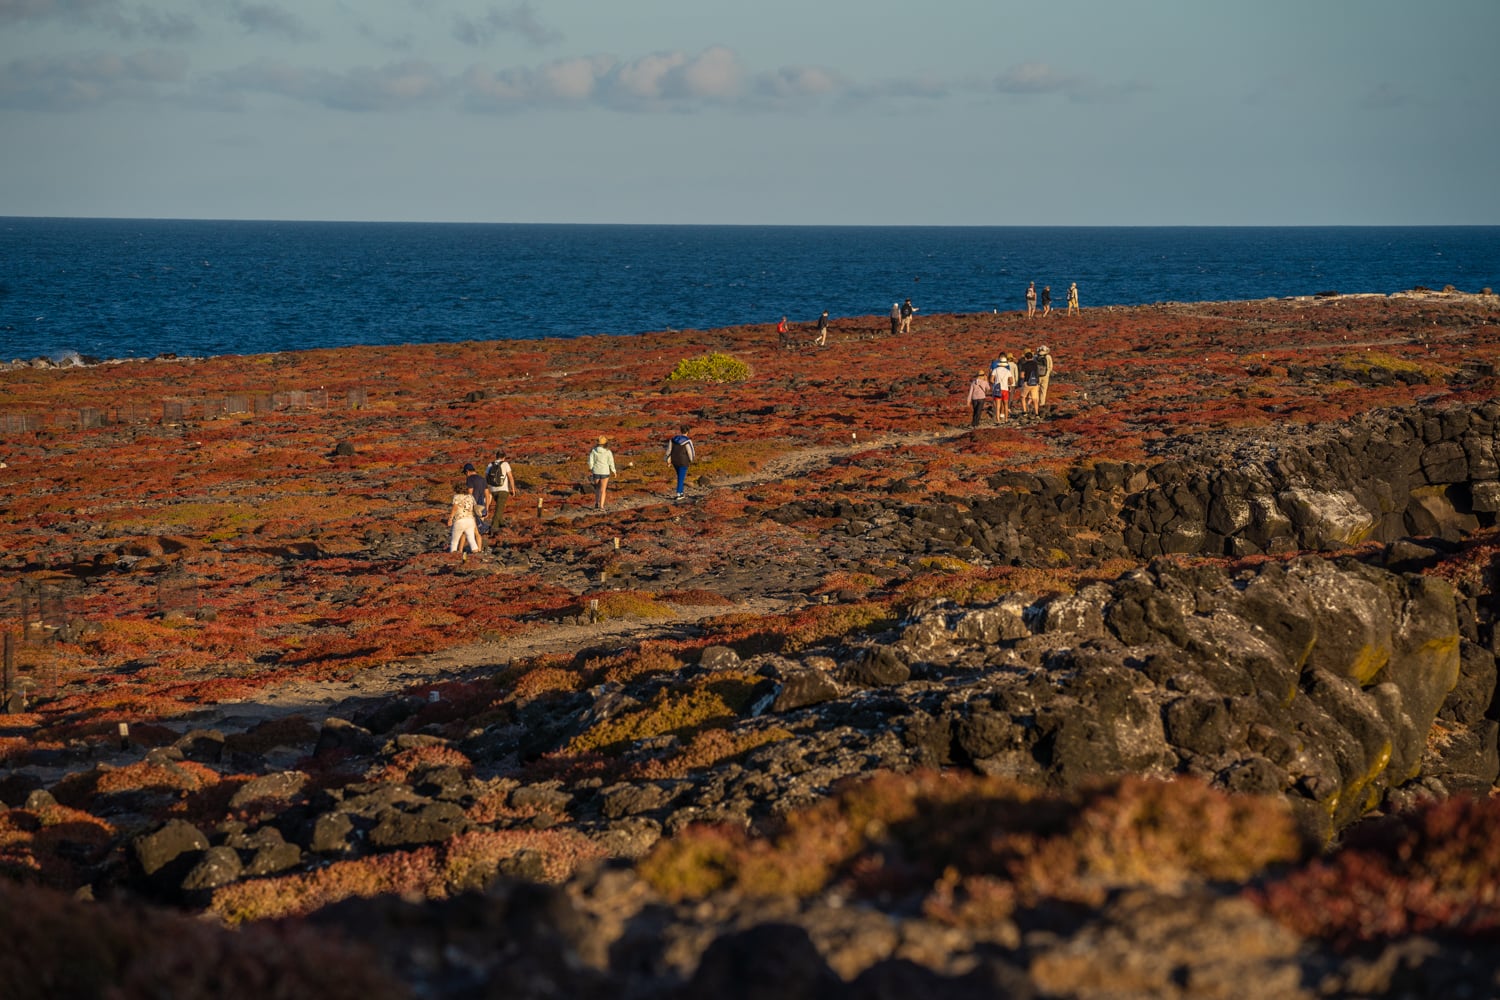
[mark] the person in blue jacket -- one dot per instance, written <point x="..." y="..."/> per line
<point x="680" y="456"/>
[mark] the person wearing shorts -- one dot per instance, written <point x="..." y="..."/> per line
<point x="601" y="467"/>
<point x="1030" y="385"/>
<point x="1001" y="378"/>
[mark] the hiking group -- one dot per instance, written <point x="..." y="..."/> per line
<point x="478" y="504"/>
<point x="601" y="461"/>
<point x="477" y="507"/>
<point x="994" y="390"/>
<point x="1031" y="377"/>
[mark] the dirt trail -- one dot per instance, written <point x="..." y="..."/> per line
<point x="321" y="698"/>
<point x="318" y="699"/>
<point x="790" y="465"/>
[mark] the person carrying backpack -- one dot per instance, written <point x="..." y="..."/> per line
<point x="1044" y="370"/>
<point x="1030" y="385"/>
<point x="499" y="478"/>
<point x="1002" y="377"/>
<point x="680" y="455"/>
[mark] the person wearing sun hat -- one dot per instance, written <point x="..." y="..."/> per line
<point x="601" y="467"/>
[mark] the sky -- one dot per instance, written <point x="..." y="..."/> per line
<point x="820" y="112"/>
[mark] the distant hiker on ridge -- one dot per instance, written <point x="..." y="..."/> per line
<point x="1030" y="299"/>
<point x="1073" y="299"/>
<point x="822" y="329"/>
<point x="895" y="318"/>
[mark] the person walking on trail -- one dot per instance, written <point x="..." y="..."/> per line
<point x="822" y="329"/>
<point x="1030" y="385"/>
<point x="907" y="312"/>
<point x="1030" y="299"/>
<point x="601" y="467"/>
<point x="1046" y="300"/>
<point x="895" y="318"/>
<point x="461" y="519"/>
<point x="502" y="483"/>
<point x="680" y="455"/>
<point x="1044" y="371"/>
<point x="481" y="491"/>
<point x="1002" y="377"/>
<point x="1073" y="299"/>
<point x="979" y="395"/>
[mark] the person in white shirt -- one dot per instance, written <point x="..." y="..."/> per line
<point x="502" y="484"/>
<point x="1002" y="377"/>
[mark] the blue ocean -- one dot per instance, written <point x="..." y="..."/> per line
<point x="108" y="288"/>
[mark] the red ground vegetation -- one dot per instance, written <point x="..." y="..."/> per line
<point x="206" y="560"/>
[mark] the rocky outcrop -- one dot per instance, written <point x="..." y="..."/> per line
<point x="1341" y="686"/>
<point x="1383" y="476"/>
<point x="1314" y="679"/>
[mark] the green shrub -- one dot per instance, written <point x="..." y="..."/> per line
<point x="713" y="367"/>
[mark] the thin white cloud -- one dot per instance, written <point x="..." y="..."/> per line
<point x="659" y="81"/>
<point x="1035" y="78"/>
<point x="520" y="20"/>
<point x="88" y="80"/>
<point x="927" y="90"/>
<point x="669" y="81"/>
<point x="392" y="87"/>
<point x="799" y="82"/>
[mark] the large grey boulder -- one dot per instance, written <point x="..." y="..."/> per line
<point x="1316" y="679"/>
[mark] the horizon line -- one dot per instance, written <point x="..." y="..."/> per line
<point x="762" y="225"/>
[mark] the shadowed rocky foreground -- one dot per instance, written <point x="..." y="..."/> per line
<point x="1037" y="714"/>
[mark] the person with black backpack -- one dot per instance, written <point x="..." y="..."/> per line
<point x="680" y="455"/>
<point x="502" y="483"/>
<point x="1031" y="385"/>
